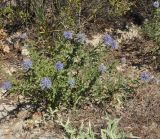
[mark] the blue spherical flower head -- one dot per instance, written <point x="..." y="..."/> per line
<point x="6" y="85"/>
<point x="102" y="68"/>
<point x="145" y="76"/>
<point x="45" y="83"/>
<point x="71" y="82"/>
<point x="114" y="45"/>
<point x="27" y="64"/>
<point x="67" y="35"/>
<point x="80" y="38"/>
<point x="59" y="66"/>
<point x="156" y="4"/>
<point x="108" y="40"/>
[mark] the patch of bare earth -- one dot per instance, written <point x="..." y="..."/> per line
<point x="142" y="114"/>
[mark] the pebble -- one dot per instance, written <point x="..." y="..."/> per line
<point x="25" y="52"/>
<point x="6" y="49"/>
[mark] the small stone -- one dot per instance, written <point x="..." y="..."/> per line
<point x="2" y="91"/>
<point x="25" y="52"/>
<point x="18" y="127"/>
<point x="9" y="107"/>
<point x="16" y="35"/>
<point x="6" y="49"/>
<point x="9" y="70"/>
<point x="154" y="57"/>
<point x="3" y="114"/>
<point x="2" y="34"/>
<point x="12" y="70"/>
<point x="9" y="40"/>
<point x="37" y="116"/>
<point x="25" y="45"/>
<point x="24" y="36"/>
<point x="17" y="45"/>
<point x="123" y="61"/>
<point x="22" y="114"/>
<point x="120" y="68"/>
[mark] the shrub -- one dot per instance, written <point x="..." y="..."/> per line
<point x="70" y="73"/>
<point x="152" y="30"/>
<point x="72" y="14"/>
<point x="119" y="7"/>
<point x="151" y="26"/>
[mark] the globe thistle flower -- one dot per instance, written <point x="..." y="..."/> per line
<point x="27" y="64"/>
<point x="102" y="68"/>
<point x="156" y="4"/>
<point x="71" y="82"/>
<point x="109" y="41"/>
<point x="6" y="85"/>
<point x="80" y="38"/>
<point x="114" y="45"/>
<point x="59" y="65"/>
<point x="67" y="35"/>
<point x="145" y="76"/>
<point x="45" y="83"/>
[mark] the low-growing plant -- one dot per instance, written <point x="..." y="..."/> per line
<point x="81" y="133"/>
<point x="151" y="26"/>
<point x="12" y="15"/>
<point x="151" y="29"/>
<point x="5" y="13"/>
<point x="112" y="130"/>
<point x="119" y="7"/>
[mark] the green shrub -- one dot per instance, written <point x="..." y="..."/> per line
<point x="72" y="14"/>
<point x="119" y="7"/>
<point x="152" y="30"/>
<point x="151" y="27"/>
<point x="81" y="73"/>
<point x="12" y="15"/>
<point x="6" y="13"/>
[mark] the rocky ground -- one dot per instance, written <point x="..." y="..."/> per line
<point x="16" y="123"/>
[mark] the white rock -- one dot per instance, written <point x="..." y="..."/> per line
<point x="9" y="40"/>
<point x="96" y="40"/>
<point x="120" y="68"/>
<point x="133" y="32"/>
<point x="25" y="52"/>
<point x="2" y="91"/>
<point x="6" y="49"/>
<point x="18" y="127"/>
<point x="12" y="70"/>
<point x="9" y="107"/>
<point x="24" y="36"/>
<point x="123" y="60"/>
<point x="9" y="70"/>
